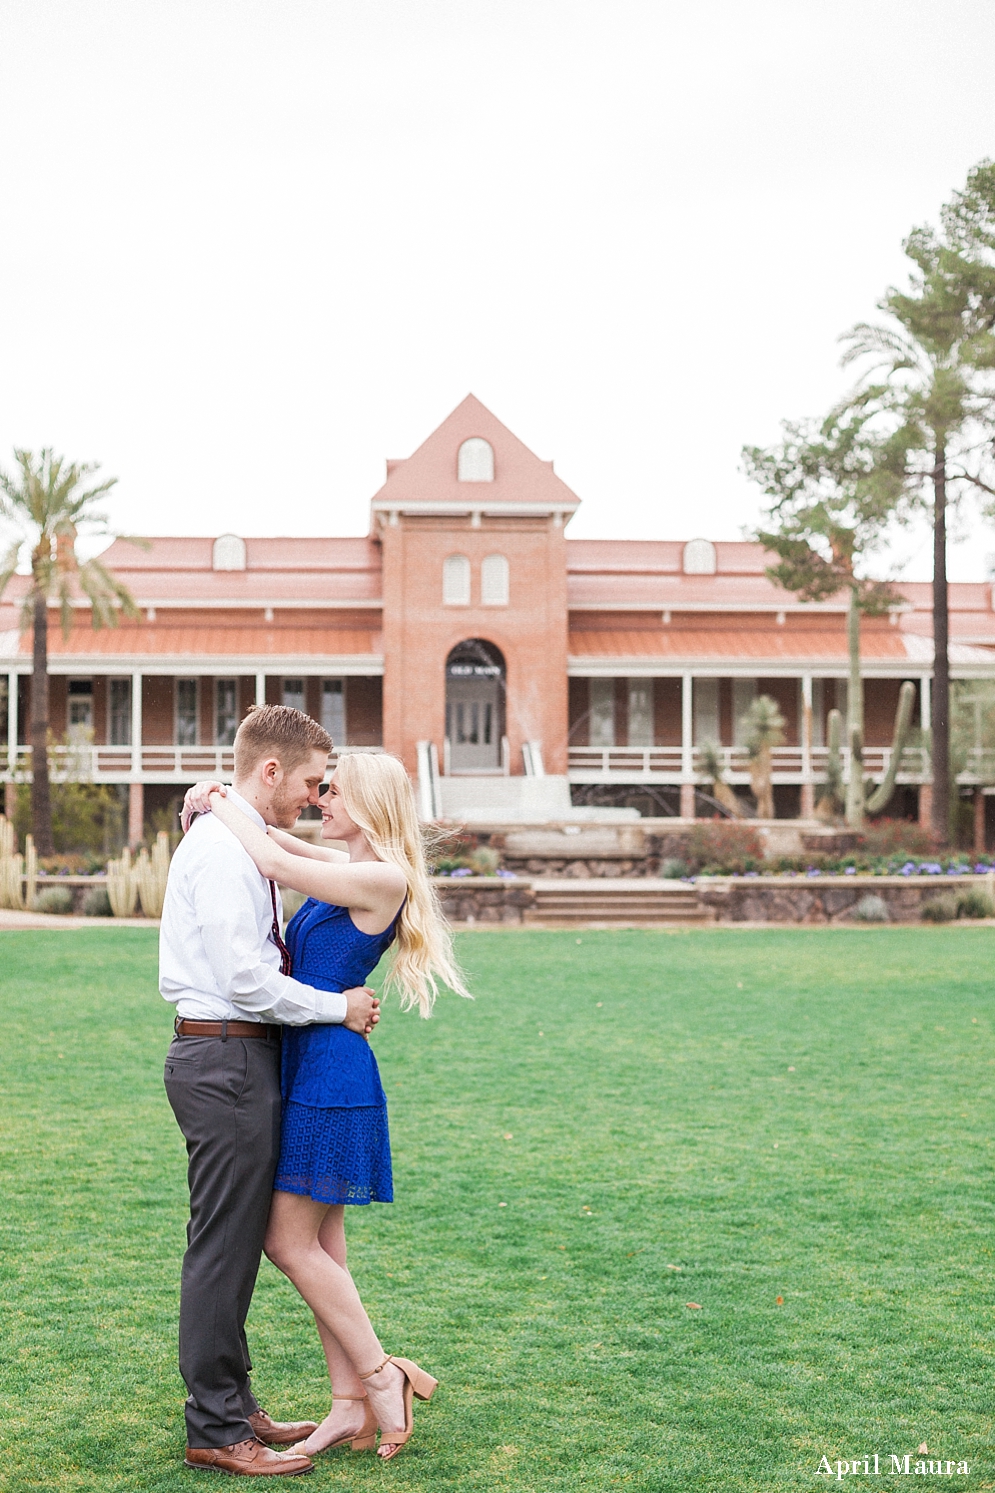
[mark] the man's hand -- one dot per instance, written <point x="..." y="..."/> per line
<point x="198" y="801"/>
<point x="362" y="1010"/>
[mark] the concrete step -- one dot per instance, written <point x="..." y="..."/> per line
<point x="615" y="900"/>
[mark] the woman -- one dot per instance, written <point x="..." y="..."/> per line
<point x="335" y="1148"/>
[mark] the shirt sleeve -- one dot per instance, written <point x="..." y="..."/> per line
<point x="223" y="895"/>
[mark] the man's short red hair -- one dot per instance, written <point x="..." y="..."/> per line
<point x="277" y="731"/>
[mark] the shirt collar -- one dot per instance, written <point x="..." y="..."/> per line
<point x="247" y="809"/>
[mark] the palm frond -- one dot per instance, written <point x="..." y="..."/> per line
<point x="8" y="565"/>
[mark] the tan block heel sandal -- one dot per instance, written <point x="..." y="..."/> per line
<point x="416" y="1383"/>
<point x="363" y="1440"/>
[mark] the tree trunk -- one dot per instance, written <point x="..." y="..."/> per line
<point x="940" y="712"/>
<point x="41" y="803"/>
<point x="855" y="719"/>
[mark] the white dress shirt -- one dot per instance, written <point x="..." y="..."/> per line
<point x="217" y="958"/>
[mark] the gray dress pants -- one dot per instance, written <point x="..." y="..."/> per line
<point x="226" y="1099"/>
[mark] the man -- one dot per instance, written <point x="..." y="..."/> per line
<point x="224" y="966"/>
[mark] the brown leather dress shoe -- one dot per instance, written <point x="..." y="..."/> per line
<point x="280" y="1432"/>
<point x="248" y="1459"/>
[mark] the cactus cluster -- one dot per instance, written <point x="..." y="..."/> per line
<point x="855" y="795"/>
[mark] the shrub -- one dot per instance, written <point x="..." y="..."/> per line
<point x="96" y="903"/>
<point x="673" y="869"/>
<point x="485" y="861"/>
<point x="896" y="837"/>
<point x="86" y="817"/>
<point x="975" y="903"/>
<point x="54" y="899"/>
<point x="940" y="909"/>
<point x="722" y="845"/>
<point x="871" y="909"/>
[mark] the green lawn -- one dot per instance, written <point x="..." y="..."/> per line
<point x="744" y="1116"/>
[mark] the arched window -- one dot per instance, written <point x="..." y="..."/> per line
<point x="699" y="557"/>
<point x="475" y="462"/>
<point x="494" y="581"/>
<point x="456" y="581"/>
<point x="229" y="552"/>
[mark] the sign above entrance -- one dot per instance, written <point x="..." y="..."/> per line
<point x="474" y="671"/>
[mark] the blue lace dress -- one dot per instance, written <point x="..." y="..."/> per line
<point x="334" y="1144"/>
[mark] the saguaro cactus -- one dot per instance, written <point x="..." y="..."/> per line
<point x="860" y="796"/>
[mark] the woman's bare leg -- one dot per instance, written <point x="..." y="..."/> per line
<point x="306" y="1240"/>
<point x="347" y="1413"/>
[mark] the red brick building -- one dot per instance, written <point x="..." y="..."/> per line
<point x="468" y="630"/>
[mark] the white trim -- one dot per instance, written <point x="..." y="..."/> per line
<point x="12" y="692"/>
<point x="687" y="727"/>
<point x="673" y="668"/>
<point x="674" y="604"/>
<point x="219" y="680"/>
<point x="193" y="679"/>
<point x="240" y="603"/>
<point x="227" y="667"/>
<point x="136" y="721"/>
<point x="461" y="508"/>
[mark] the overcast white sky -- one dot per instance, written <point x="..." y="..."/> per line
<point x="250" y="248"/>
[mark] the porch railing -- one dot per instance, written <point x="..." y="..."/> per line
<point x="790" y="763"/>
<point x="114" y="764"/>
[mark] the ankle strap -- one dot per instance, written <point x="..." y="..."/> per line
<point x="379" y="1366"/>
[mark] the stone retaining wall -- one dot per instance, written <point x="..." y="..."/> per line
<point x="825" y="899"/>
<point x="747" y="899"/>
<point x="484" y="899"/>
<point x="637" y="847"/>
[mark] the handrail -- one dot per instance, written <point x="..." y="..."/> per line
<point x="793" y="761"/>
<point x="94" y="764"/>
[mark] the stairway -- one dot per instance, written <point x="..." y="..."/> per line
<point x="615" y="901"/>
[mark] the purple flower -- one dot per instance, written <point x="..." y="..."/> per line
<point x="461" y="871"/>
<point x="850" y="871"/>
<point x="505" y="875"/>
<point x="813" y="871"/>
<point x="980" y="870"/>
<point x="908" y="868"/>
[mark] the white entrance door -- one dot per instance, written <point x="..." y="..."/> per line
<point x="472" y="724"/>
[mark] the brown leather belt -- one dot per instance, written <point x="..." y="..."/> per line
<point x="224" y="1029"/>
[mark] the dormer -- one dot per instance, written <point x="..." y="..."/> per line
<point x="475" y="461"/>
<point x="699" y="557"/>
<point x="228" y="553"/>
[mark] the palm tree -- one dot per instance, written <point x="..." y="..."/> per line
<point x="930" y="371"/>
<point x="835" y="490"/>
<point x="48" y="500"/>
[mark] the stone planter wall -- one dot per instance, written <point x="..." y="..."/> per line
<point x="636" y="848"/>
<point x="484" y="899"/>
<point x="825" y="899"/>
<point x="760" y="899"/>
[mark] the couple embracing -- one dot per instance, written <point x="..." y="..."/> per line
<point x="272" y="1080"/>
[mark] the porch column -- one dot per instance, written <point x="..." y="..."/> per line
<point x="12" y="682"/>
<point x="260" y="689"/>
<point x="925" y="804"/>
<point x="979" y="820"/>
<point x="687" y="748"/>
<point x="9" y="788"/>
<point x="136" y="789"/>
<point x="925" y="721"/>
<point x="808" y="778"/>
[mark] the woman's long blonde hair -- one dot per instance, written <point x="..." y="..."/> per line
<point x="377" y="795"/>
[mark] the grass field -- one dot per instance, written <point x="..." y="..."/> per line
<point x="718" y="1117"/>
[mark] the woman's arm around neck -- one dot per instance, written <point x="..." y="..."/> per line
<point x="369" y="886"/>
